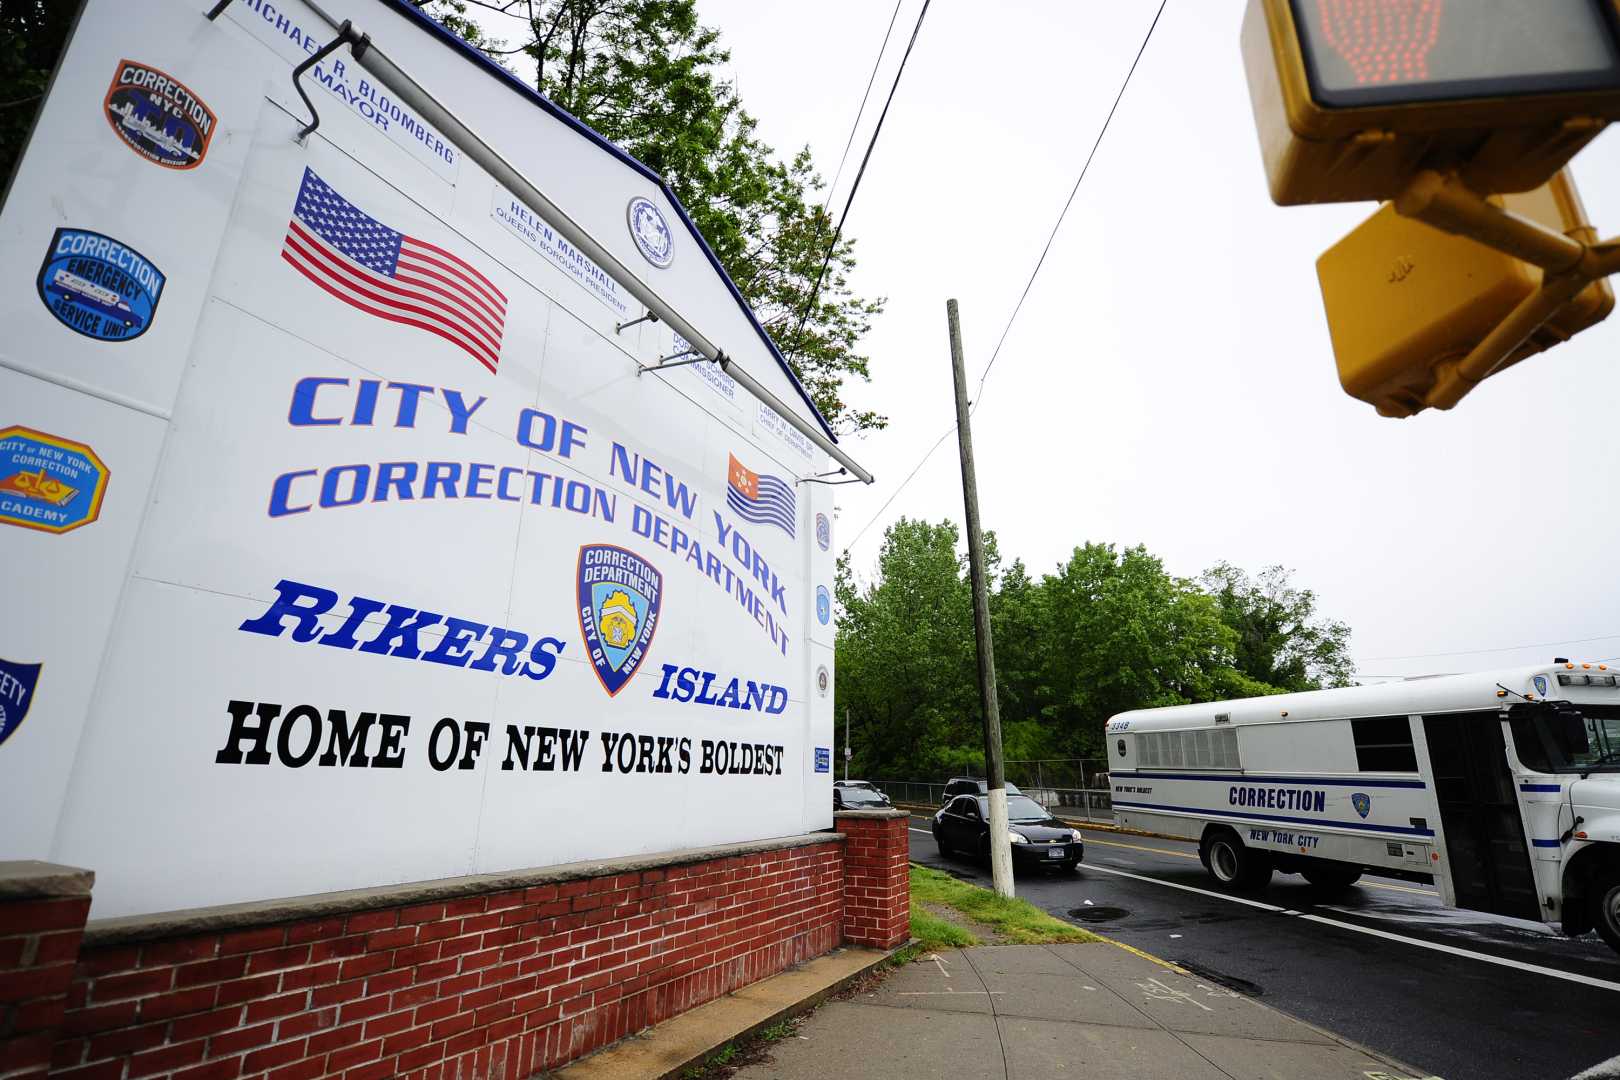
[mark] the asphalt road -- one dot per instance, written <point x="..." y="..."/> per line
<point x="1460" y="994"/>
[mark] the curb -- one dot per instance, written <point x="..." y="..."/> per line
<point x="1410" y="1072"/>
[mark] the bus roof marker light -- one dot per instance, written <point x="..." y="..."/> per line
<point x="1587" y="666"/>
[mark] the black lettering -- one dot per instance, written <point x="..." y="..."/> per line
<point x="390" y="755"/>
<point x="477" y="732"/>
<point x="344" y="745"/>
<point x="442" y="762"/>
<point x="517" y="747"/>
<point x="573" y="748"/>
<point x="257" y="734"/>
<point x="284" y="741"/>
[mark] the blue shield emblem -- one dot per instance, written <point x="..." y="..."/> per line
<point x="823" y="605"/>
<point x="1362" y="803"/>
<point x="620" y="595"/>
<point x="99" y="287"/>
<point x="17" y="682"/>
<point x="1541" y="684"/>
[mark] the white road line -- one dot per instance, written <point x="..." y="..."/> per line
<point x="1500" y="961"/>
<point x="925" y="832"/>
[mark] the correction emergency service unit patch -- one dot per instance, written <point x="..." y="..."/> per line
<point x="158" y="116"/>
<point x="99" y="287"/>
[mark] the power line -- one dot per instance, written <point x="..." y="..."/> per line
<point x="979" y="394"/>
<point x="1505" y="648"/>
<point x="871" y="144"/>
<point x="877" y="62"/>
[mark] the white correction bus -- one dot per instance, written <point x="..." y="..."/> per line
<point x="1501" y="786"/>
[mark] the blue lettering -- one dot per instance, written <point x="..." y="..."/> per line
<point x="281" y="492"/>
<point x="302" y="411"/>
<point x="330" y="485"/>
<point x="290" y="602"/>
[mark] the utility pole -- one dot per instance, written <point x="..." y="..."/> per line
<point x="846" y="742"/>
<point x="1000" y="845"/>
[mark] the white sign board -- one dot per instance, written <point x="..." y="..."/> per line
<point x="348" y="543"/>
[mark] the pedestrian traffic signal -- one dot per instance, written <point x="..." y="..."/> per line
<point x="1353" y="98"/>
<point x="1406" y="302"/>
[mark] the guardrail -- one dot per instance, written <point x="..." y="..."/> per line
<point x="1092" y="804"/>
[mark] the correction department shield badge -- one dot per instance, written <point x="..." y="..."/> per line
<point x="17" y="682"/>
<point x="620" y="595"/>
<point x="1362" y="803"/>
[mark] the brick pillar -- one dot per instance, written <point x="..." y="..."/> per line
<point x="877" y="888"/>
<point x="42" y="912"/>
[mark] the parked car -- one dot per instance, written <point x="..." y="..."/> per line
<point x="1038" y="838"/>
<point x="867" y="784"/>
<point x="850" y="797"/>
<point x="968" y="785"/>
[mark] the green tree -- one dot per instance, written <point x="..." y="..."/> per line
<point x="647" y="75"/>
<point x="32" y="34"/>
<point x="1280" y="638"/>
<point x="1123" y="634"/>
<point x="905" y="655"/>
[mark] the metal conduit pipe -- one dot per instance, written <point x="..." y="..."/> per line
<point x="375" y="61"/>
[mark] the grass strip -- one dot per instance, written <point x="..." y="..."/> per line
<point x="934" y="933"/>
<point x="1016" y="920"/>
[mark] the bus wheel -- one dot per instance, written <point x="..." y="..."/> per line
<point x="1332" y="878"/>
<point x="1232" y="864"/>
<point x="1606" y="908"/>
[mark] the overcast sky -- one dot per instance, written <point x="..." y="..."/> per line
<point x="1170" y="380"/>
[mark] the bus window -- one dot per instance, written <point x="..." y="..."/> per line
<point x="1384" y="744"/>
<point x="1567" y="738"/>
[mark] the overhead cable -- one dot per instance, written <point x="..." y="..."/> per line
<point x="1033" y="274"/>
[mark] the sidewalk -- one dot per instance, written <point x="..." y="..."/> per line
<point x="1031" y="1012"/>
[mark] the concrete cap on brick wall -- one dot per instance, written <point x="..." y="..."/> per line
<point x="869" y="815"/>
<point x="26" y="879"/>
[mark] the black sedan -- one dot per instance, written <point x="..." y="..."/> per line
<point x="1038" y="838"/>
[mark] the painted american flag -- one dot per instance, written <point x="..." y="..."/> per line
<point x="760" y="497"/>
<point x="396" y="277"/>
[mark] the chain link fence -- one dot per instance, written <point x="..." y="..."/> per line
<point x="1088" y="804"/>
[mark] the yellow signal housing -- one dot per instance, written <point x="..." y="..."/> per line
<point x="1352" y="98"/>
<point x="1404" y="298"/>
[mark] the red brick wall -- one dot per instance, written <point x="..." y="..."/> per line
<point x="499" y="985"/>
<point x="39" y="941"/>
<point x="877" y="885"/>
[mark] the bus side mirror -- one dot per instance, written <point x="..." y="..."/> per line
<point x="1572" y="733"/>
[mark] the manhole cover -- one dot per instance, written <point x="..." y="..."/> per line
<point x="1098" y="914"/>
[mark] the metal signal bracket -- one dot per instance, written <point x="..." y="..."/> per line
<point x="345" y="36"/>
<point x="821" y="478"/>
<point x="680" y="359"/>
<point x="651" y="316"/>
